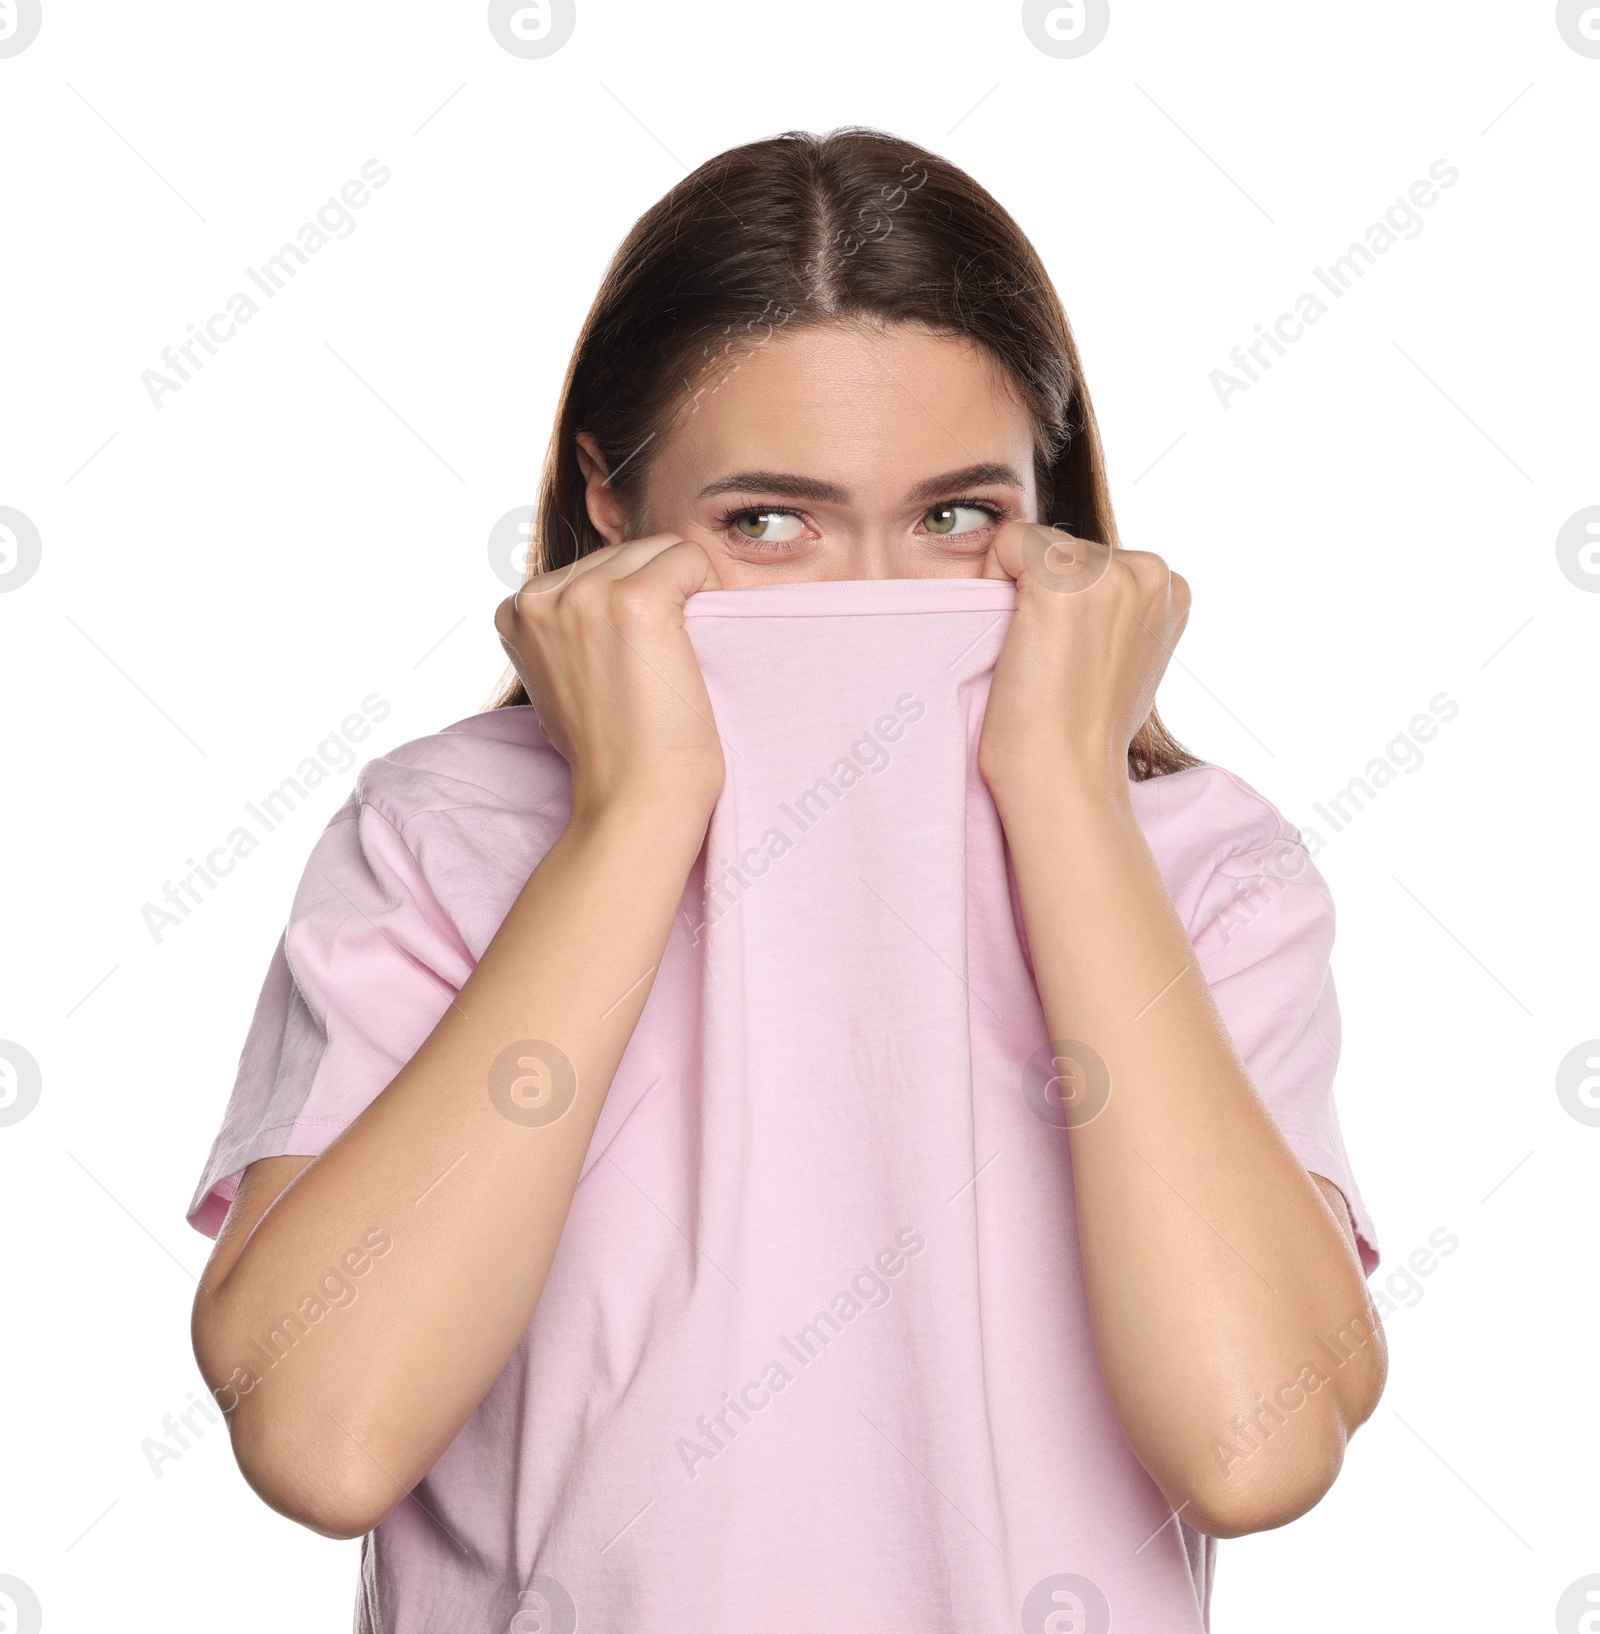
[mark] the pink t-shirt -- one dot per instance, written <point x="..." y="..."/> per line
<point x="814" y="1352"/>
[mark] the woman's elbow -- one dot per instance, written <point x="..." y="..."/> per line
<point x="1234" y="1505"/>
<point x="299" y="1460"/>
<point x="334" y="1498"/>
<point x="1266" y="1471"/>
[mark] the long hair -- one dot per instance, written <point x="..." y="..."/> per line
<point x="804" y="229"/>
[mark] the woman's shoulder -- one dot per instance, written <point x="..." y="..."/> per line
<point x="496" y="761"/>
<point x="1239" y="873"/>
<point x="1204" y="814"/>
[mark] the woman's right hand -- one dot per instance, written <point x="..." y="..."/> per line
<point x="602" y="649"/>
<point x="336" y="1438"/>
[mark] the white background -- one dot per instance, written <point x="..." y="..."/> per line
<point x="305" y="523"/>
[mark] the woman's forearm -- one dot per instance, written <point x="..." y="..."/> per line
<point x="1212" y="1263"/>
<point x="471" y="1200"/>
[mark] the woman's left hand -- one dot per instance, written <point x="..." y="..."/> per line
<point x="1087" y="647"/>
<point x="1211" y="1259"/>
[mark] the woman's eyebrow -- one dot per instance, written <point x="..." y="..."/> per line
<point x="786" y="485"/>
<point x="971" y="476"/>
<point x="781" y="484"/>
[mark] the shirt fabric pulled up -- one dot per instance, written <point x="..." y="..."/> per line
<point x="814" y="1351"/>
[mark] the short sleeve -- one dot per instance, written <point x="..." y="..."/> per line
<point x="1263" y="931"/>
<point x="366" y="966"/>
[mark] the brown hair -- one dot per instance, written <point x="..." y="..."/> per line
<point x="855" y="225"/>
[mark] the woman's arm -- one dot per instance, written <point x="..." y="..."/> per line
<point x="1214" y="1264"/>
<point x="471" y="1202"/>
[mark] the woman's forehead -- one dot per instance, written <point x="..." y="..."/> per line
<point x="847" y="404"/>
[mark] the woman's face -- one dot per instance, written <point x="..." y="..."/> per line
<point x="837" y="451"/>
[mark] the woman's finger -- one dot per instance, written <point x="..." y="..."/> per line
<point x="611" y="561"/>
<point x="679" y="565"/>
<point x="1050" y="557"/>
<point x="558" y="578"/>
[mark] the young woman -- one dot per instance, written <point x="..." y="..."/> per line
<point x="817" y="360"/>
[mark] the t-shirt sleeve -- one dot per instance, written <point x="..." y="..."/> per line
<point x="366" y="966"/>
<point x="1263" y="931"/>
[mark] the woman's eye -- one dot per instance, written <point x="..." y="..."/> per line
<point x="771" y="527"/>
<point x="956" y="519"/>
